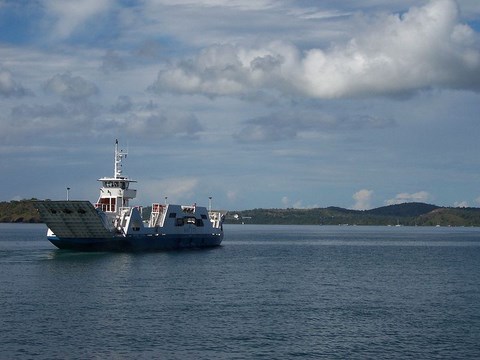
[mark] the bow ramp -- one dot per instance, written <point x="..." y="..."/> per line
<point x="73" y="219"/>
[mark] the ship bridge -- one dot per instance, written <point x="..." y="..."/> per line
<point x="115" y="191"/>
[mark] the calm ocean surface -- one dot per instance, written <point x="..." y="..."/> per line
<point x="269" y="292"/>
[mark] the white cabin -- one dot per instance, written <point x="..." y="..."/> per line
<point x="115" y="192"/>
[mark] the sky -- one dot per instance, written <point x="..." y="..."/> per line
<point x="258" y="104"/>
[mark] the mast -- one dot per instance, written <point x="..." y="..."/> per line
<point x="119" y="155"/>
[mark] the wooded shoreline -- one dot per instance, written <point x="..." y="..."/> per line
<point x="406" y="214"/>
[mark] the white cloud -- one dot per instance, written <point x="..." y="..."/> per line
<point x="296" y="204"/>
<point x="421" y="196"/>
<point x="11" y="88"/>
<point x="227" y="70"/>
<point x="72" y="14"/>
<point x="239" y="4"/>
<point x="299" y="205"/>
<point x="460" y="204"/>
<point x="70" y="88"/>
<point x="362" y="199"/>
<point x="396" y="54"/>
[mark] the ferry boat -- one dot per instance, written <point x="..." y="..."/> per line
<point x="112" y="225"/>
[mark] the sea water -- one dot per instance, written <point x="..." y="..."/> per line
<point x="269" y="292"/>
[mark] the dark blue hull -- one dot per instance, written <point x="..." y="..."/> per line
<point x="138" y="243"/>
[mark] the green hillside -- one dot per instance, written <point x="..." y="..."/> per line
<point x="19" y="211"/>
<point x="406" y="209"/>
<point x="451" y="217"/>
<point x="408" y="214"/>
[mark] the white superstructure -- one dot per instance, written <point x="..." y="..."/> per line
<point x="115" y="192"/>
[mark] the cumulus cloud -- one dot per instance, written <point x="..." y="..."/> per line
<point x="362" y="199"/>
<point x="226" y="70"/>
<point x="421" y="196"/>
<point x="460" y="204"/>
<point x="11" y="88"/>
<point x="70" y="88"/>
<point x="424" y="48"/>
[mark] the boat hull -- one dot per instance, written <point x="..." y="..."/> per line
<point x="139" y="243"/>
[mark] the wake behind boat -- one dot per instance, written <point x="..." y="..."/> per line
<point x="111" y="224"/>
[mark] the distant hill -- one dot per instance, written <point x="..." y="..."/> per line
<point x="451" y="216"/>
<point x="402" y="214"/>
<point x="409" y="214"/>
<point x="19" y="211"/>
<point x="405" y="209"/>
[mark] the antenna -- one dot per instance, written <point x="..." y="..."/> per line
<point x="119" y="155"/>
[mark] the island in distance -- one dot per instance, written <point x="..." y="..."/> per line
<point x="406" y="214"/>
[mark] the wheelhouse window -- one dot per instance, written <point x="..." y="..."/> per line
<point x="106" y="204"/>
<point x="116" y="184"/>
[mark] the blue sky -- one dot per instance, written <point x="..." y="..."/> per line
<point x="263" y="103"/>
